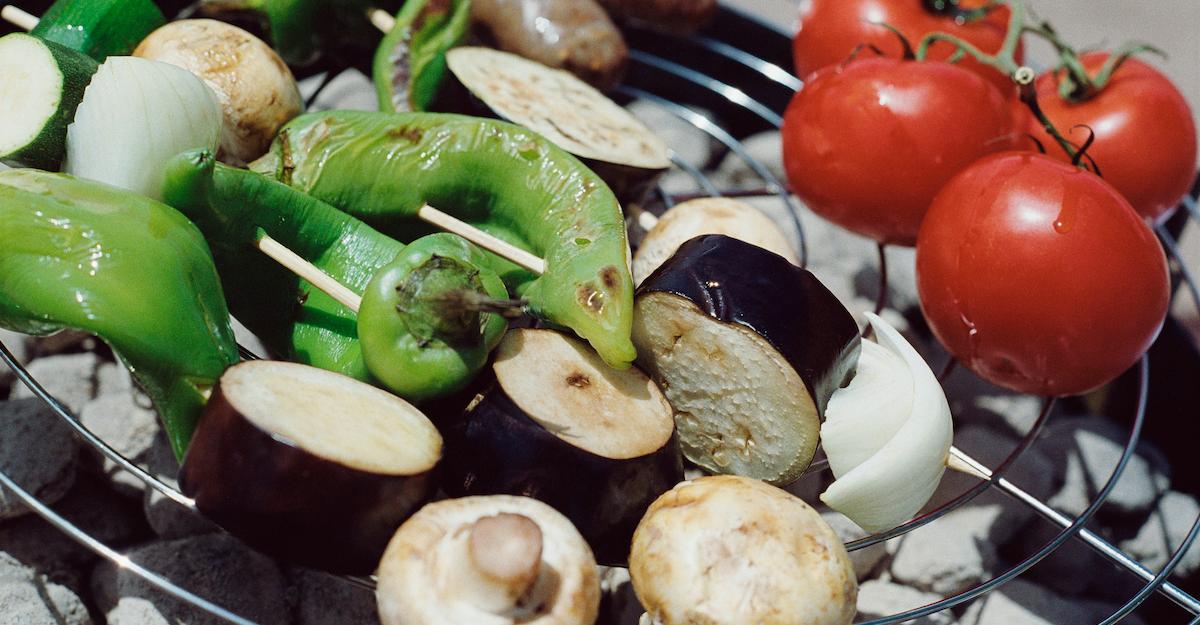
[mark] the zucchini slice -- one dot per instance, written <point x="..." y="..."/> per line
<point x="41" y="85"/>
<point x="99" y="28"/>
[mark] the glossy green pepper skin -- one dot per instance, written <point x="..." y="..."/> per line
<point x="300" y="30"/>
<point x="504" y="179"/>
<point x="413" y="307"/>
<point x="410" y="62"/>
<point x="232" y="206"/>
<point x="132" y="271"/>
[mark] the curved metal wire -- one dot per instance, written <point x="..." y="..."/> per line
<point x="1057" y="541"/>
<point x="71" y="420"/>
<point x="737" y="97"/>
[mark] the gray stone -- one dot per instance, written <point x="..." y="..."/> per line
<point x="877" y="599"/>
<point x="1033" y="472"/>
<point x="689" y="142"/>
<point x="1072" y="569"/>
<point x="70" y="378"/>
<point x="166" y="517"/>
<point x="326" y="600"/>
<point x="37" y="450"/>
<point x="215" y="566"/>
<point x="1163" y="533"/>
<point x="122" y="419"/>
<point x="864" y="560"/>
<point x="247" y="339"/>
<point x="950" y="554"/>
<point x="350" y="90"/>
<point x="766" y="148"/>
<point x="1023" y="603"/>
<point x="89" y="505"/>
<point x="135" y="611"/>
<point x="31" y="600"/>
<point x="1086" y="450"/>
<point x="902" y="278"/>
<point x="18" y="345"/>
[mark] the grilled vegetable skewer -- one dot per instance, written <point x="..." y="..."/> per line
<point x="415" y="332"/>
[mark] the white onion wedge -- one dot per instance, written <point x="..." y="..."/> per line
<point x="887" y="434"/>
<point x="135" y="115"/>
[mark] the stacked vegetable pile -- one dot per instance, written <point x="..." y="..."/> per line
<point x="512" y="365"/>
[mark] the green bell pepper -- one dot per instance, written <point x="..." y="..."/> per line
<point x="410" y="62"/>
<point x="414" y="339"/>
<point x="136" y="273"/>
<point x="501" y="178"/>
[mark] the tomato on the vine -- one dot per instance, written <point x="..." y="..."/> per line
<point x="1145" y="142"/>
<point x="830" y="29"/>
<point x="867" y="144"/>
<point x="1039" y="276"/>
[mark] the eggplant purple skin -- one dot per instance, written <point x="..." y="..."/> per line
<point x="290" y="504"/>
<point x="495" y="449"/>
<point x="736" y="282"/>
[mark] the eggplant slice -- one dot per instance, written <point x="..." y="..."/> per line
<point x="564" y="109"/>
<point x="309" y="466"/>
<point x="557" y="424"/>
<point x="748" y="349"/>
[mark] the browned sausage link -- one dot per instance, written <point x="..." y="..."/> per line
<point x="674" y="16"/>
<point x="575" y="35"/>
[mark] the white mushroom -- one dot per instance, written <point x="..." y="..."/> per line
<point x="494" y="560"/>
<point x="256" y="90"/>
<point x="729" y="550"/>
<point x="707" y="216"/>
<point x="887" y="434"/>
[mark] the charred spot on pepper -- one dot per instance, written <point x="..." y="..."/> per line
<point x="412" y="134"/>
<point x="610" y="277"/>
<point x="429" y="302"/>
<point x="590" y="298"/>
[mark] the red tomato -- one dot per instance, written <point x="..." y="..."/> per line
<point x="830" y="29"/>
<point x="1145" y="134"/>
<point x="868" y="144"/>
<point x="1039" y="276"/>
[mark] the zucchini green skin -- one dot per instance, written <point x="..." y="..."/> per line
<point x="132" y="271"/>
<point x="504" y="179"/>
<point x="410" y="62"/>
<point x="99" y="28"/>
<point x="231" y="206"/>
<point x="47" y="149"/>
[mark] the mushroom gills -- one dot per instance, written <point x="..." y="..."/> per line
<point x="559" y="425"/>
<point x="308" y="465"/>
<point x="748" y="349"/>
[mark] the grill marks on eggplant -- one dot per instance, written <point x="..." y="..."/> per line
<point x="748" y="348"/>
<point x="308" y="465"/>
<point x="563" y="386"/>
<point x="558" y="425"/>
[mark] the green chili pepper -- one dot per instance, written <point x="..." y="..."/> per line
<point x="501" y="178"/>
<point x="410" y="62"/>
<point x="415" y="338"/>
<point x="132" y="271"/>
<point x="301" y="29"/>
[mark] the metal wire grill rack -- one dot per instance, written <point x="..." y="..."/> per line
<point x="739" y="70"/>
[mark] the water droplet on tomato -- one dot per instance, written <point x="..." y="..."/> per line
<point x="1065" y="220"/>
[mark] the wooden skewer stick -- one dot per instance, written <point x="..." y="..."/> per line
<point x="959" y="461"/>
<point x="310" y="272"/>
<point x="488" y="242"/>
<point x="382" y="20"/>
<point x="18" y="18"/>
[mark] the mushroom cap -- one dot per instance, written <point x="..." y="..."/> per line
<point x="255" y="88"/>
<point x="728" y="550"/>
<point x="713" y="215"/>
<point x="420" y="574"/>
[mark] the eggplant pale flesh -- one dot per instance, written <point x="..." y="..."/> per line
<point x="748" y="348"/>
<point x="496" y="560"/>
<point x="309" y="466"/>
<point x="557" y="424"/>
<point x="555" y="104"/>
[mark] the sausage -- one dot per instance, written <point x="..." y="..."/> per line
<point x="575" y="35"/>
<point x="674" y="16"/>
